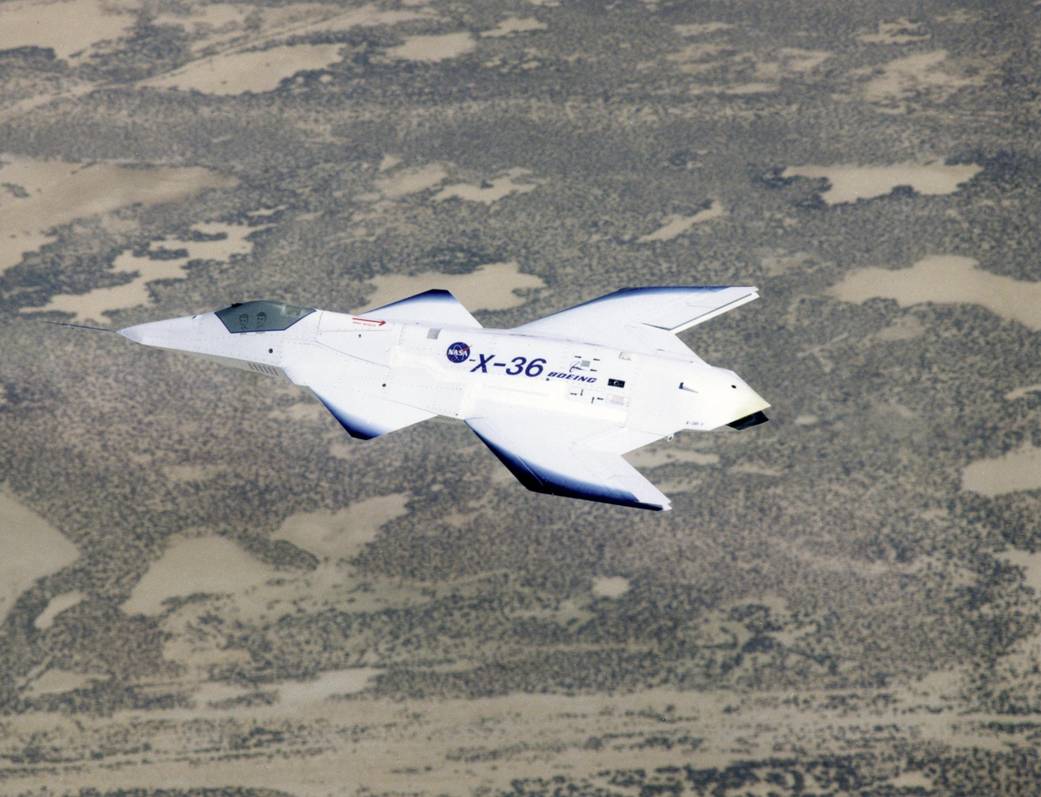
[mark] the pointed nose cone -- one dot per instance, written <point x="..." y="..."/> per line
<point x="135" y="333"/>
<point x="174" y="333"/>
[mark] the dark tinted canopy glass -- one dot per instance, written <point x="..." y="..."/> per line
<point x="261" y="316"/>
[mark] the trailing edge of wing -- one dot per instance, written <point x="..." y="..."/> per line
<point x="436" y="306"/>
<point x="366" y="417"/>
<point x="556" y="456"/>
<point x="630" y="317"/>
<point x="363" y="414"/>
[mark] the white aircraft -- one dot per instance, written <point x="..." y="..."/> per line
<point x="558" y="400"/>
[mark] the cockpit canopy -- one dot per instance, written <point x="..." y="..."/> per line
<point x="261" y="316"/>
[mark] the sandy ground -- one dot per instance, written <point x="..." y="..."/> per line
<point x="192" y="565"/>
<point x="512" y="25"/>
<point x="344" y="533"/>
<point x="57" y="605"/>
<point x="610" y="586"/>
<point x="931" y="72"/>
<point x="1017" y="470"/>
<point x="229" y="240"/>
<point x="492" y="286"/>
<point x="69" y="28"/>
<point x="514" y="181"/>
<point x="50" y="193"/>
<point x="408" y="181"/>
<point x="1022" y="392"/>
<point x="849" y="183"/>
<point x="30" y="548"/>
<point x="677" y="225"/>
<point x="434" y="48"/>
<point x="253" y="71"/>
<point x="949" y="279"/>
<point x="896" y="31"/>
<point x="451" y="747"/>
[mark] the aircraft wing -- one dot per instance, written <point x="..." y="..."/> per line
<point x="568" y="455"/>
<point x="433" y="307"/>
<point x="641" y="318"/>
<point x="345" y="391"/>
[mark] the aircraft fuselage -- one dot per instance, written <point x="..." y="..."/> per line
<point x="445" y="370"/>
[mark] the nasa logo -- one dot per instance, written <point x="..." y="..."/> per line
<point x="458" y="352"/>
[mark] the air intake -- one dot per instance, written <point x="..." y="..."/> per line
<point x="749" y="421"/>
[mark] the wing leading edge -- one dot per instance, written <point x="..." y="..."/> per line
<point x="567" y="456"/>
<point x="435" y="307"/>
<point x="642" y="317"/>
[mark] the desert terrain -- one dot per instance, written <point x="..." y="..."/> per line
<point x="207" y="588"/>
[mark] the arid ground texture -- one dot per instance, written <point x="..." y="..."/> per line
<point x="207" y="588"/>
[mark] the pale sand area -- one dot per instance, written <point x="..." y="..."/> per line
<point x="512" y="25"/>
<point x="653" y="456"/>
<point x="389" y="161"/>
<point x="491" y="190"/>
<point x="225" y="23"/>
<point x="212" y="18"/>
<point x="695" y="59"/>
<point x="489" y="287"/>
<point x="736" y="89"/>
<point x="1017" y="470"/>
<point x="327" y="684"/>
<point x="931" y="72"/>
<point x="209" y="25"/>
<point x="755" y="469"/>
<point x="192" y="473"/>
<point x="54" y="192"/>
<point x="775" y="265"/>
<point x="196" y="564"/>
<point x="904" y="328"/>
<point x="760" y="73"/>
<point x="463" y="747"/>
<point x="675" y="225"/>
<point x="849" y="182"/>
<point x="67" y="28"/>
<point x="946" y="279"/>
<point x="610" y="586"/>
<point x="433" y="48"/>
<point x="1022" y="392"/>
<point x="56" y="681"/>
<point x="896" y="31"/>
<point x="960" y="17"/>
<point x="255" y="71"/>
<point x="93" y="305"/>
<point x="409" y="181"/>
<point x="912" y="780"/>
<point x="344" y="533"/>
<point x="290" y="694"/>
<point x="57" y="605"/>
<point x="30" y="548"/>
<point x="829" y="562"/>
<point x="1031" y="565"/>
<point x="789" y="61"/>
<point x="701" y="29"/>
